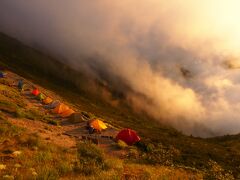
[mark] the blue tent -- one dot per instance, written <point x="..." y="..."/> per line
<point x="20" y="84"/>
<point x="2" y="75"/>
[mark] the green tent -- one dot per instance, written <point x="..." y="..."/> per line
<point x="41" y="97"/>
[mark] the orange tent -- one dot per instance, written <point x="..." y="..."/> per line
<point x="60" y="108"/>
<point x="67" y="113"/>
<point x="47" y="100"/>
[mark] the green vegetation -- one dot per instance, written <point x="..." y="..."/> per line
<point x="121" y="144"/>
<point x="160" y="145"/>
<point x="27" y="156"/>
<point x="13" y="103"/>
<point x="7" y="130"/>
<point x="91" y="159"/>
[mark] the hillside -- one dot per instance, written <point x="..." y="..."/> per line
<point x="161" y="150"/>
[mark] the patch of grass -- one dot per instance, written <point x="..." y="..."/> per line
<point x="6" y="82"/>
<point x="46" y="162"/>
<point x="53" y="122"/>
<point x="32" y="140"/>
<point x="7" y="130"/>
<point x="7" y="106"/>
<point x="47" y="172"/>
<point x="114" y="164"/>
<point x="217" y="172"/>
<point x="91" y="158"/>
<point x="20" y="113"/>
<point x="133" y="153"/>
<point x="136" y="171"/>
<point x="11" y="95"/>
<point x="43" y="157"/>
<point x="33" y="114"/>
<point x="121" y="144"/>
<point x="159" y="155"/>
<point x="89" y="152"/>
<point x="65" y="168"/>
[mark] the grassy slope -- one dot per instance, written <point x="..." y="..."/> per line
<point x="27" y="154"/>
<point x="186" y="151"/>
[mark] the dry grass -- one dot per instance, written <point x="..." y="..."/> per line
<point x="161" y="144"/>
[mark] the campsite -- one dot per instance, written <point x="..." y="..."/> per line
<point x="119" y="90"/>
<point x="161" y="152"/>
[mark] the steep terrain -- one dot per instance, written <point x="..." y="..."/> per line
<point x="38" y="144"/>
<point x="161" y="150"/>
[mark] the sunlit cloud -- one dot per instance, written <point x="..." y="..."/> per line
<point x="178" y="60"/>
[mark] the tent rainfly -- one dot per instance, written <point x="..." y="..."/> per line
<point x="47" y="100"/>
<point x="128" y="136"/>
<point x="61" y="108"/>
<point x="98" y="125"/>
<point x="35" y="92"/>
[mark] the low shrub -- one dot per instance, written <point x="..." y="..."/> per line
<point x="33" y="114"/>
<point x="32" y="140"/>
<point x="8" y="130"/>
<point x="91" y="159"/>
<point x="121" y="144"/>
<point x="43" y="156"/>
<point x="20" y="113"/>
<point x="47" y="172"/>
<point x="90" y="153"/>
<point x="113" y="163"/>
<point x="53" y="122"/>
<point x="64" y="168"/>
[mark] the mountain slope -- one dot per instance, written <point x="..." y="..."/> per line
<point x="160" y="144"/>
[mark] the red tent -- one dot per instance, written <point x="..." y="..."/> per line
<point x="128" y="136"/>
<point x="35" y="92"/>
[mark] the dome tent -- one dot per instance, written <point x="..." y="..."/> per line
<point x="128" y="136"/>
<point x="41" y="96"/>
<point x="47" y="100"/>
<point x="61" y="108"/>
<point x="67" y="113"/>
<point x="97" y="124"/>
<point x="35" y="92"/>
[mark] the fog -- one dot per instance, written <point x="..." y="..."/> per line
<point x="176" y="60"/>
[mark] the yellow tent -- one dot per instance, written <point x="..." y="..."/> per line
<point x="47" y="100"/>
<point x="98" y="124"/>
<point x="61" y="108"/>
<point x="67" y="113"/>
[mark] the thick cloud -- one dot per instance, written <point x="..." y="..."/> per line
<point x="169" y="55"/>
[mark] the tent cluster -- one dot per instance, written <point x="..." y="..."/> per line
<point x="56" y="106"/>
<point x="128" y="136"/>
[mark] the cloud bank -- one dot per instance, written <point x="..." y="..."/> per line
<point x="172" y="57"/>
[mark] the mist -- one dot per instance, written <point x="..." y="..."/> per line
<point x="176" y="60"/>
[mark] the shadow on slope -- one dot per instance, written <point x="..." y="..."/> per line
<point x="51" y="74"/>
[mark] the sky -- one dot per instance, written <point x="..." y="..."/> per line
<point x="177" y="60"/>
